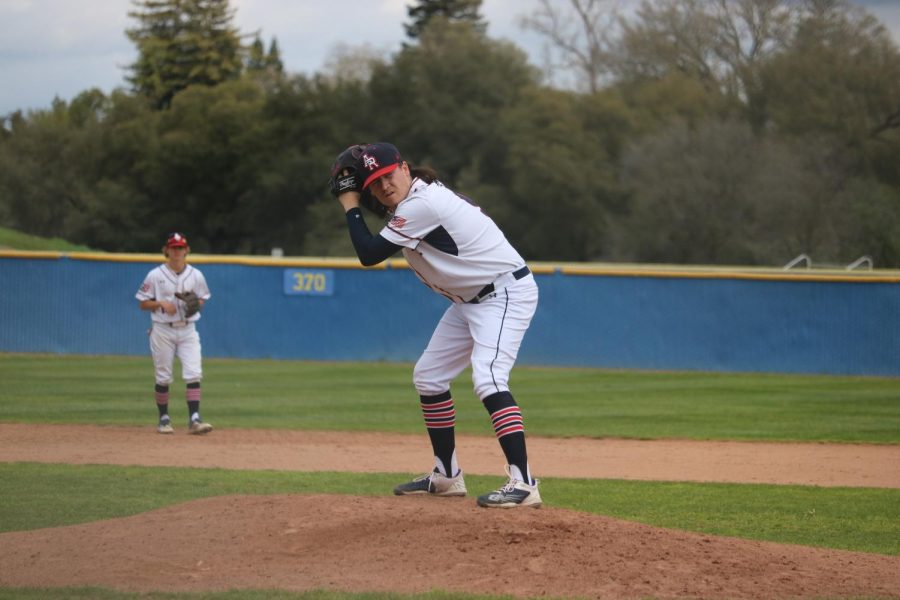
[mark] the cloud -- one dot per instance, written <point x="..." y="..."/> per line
<point x="62" y="28"/>
<point x="307" y="32"/>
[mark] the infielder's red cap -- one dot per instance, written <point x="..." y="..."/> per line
<point x="378" y="159"/>
<point x="176" y="240"/>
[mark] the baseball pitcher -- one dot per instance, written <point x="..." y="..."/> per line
<point x="460" y="253"/>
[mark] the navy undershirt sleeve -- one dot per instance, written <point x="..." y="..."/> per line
<point x="371" y="249"/>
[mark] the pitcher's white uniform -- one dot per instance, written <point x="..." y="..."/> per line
<point x="456" y="250"/>
<point x="460" y="253"/>
<point x="173" y="335"/>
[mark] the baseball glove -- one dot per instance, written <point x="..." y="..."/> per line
<point x="191" y="303"/>
<point x="345" y="178"/>
<point x="344" y="174"/>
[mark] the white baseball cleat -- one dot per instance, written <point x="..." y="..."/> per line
<point x="198" y="427"/>
<point x="433" y="483"/>
<point x="514" y="494"/>
<point x="165" y="425"/>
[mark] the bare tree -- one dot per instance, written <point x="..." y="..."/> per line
<point x="724" y="44"/>
<point x="870" y="61"/>
<point x="749" y="33"/>
<point x="581" y="37"/>
<point x="711" y="39"/>
<point x="346" y="62"/>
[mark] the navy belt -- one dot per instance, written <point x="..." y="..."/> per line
<point x="489" y="288"/>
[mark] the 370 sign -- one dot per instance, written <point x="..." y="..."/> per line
<point x="308" y="282"/>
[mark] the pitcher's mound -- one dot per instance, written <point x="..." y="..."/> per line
<point x="416" y="544"/>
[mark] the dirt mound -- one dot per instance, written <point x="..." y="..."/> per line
<point x="415" y="544"/>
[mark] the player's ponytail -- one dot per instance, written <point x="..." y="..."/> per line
<point x="426" y="174"/>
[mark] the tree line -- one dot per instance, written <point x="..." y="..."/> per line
<point x="689" y="131"/>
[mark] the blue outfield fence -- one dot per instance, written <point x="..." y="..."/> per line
<point x="605" y="316"/>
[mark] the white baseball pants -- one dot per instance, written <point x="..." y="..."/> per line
<point x="487" y="335"/>
<point x="167" y="342"/>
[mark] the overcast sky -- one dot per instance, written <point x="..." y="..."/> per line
<point x="52" y="48"/>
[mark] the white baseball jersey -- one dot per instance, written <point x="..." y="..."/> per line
<point x="452" y="246"/>
<point x="161" y="284"/>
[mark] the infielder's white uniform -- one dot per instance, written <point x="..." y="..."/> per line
<point x="173" y="335"/>
<point x="456" y="250"/>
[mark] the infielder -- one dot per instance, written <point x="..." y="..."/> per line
<point x="174" y="293"/>
<point x="460" y="253"/>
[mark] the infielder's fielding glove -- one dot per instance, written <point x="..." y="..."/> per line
<point x="191" y="303"/>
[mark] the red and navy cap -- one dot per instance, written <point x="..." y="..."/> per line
<point x="176" y="240"/>
<point x="378" y="159"/>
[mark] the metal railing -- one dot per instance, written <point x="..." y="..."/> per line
<point x="800" y="259"/>
<point x="861" y="261"/>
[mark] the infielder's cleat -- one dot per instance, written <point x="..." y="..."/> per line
<point x="198" y="427"/>
<point x="165" y="425"/>
<point x="435" y="484"/>
<point x="515" y="493"/>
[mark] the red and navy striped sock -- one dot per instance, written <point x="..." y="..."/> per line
<point x="440" y="420"/>
<point x="510" y="430"/>
<point x="193" y="397"/>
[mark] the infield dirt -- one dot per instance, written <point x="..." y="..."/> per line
<point x="414" y="544"/>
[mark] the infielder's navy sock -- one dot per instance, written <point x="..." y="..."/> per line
<point x="193" y="397"/>
<point x="161" y="392"/>
<point x="510" y="430"/>
<point x="440" y="420"/>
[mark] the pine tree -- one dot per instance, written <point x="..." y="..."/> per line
<point x="273" y="58"/>
<point x="256" y="56"/>
<point x="182" y="43"/>
<point x="260" y="61"/>
<point x="423" y="11"/>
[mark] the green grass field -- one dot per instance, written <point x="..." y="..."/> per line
<point x="380" y="397"/>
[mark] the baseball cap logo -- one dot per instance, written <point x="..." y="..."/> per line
<point x="176" y="240"/>
<point x="370" y="162"/>
<point x="378" y="160"/>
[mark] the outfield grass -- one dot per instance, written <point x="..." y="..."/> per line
<point x="556" y="402"/>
